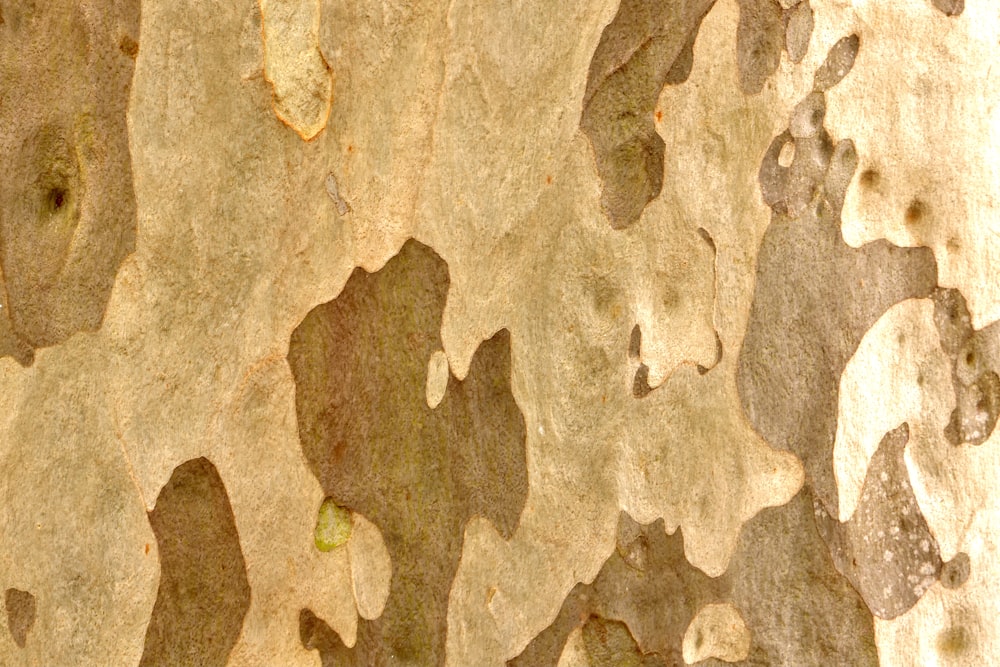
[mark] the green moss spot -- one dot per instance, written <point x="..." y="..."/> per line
<point x="333" y="525"/>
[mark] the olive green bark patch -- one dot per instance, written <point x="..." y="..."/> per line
<point x="21" y="610"/>
<point x="419" y="474"/>
<point x="67" y="207"/>
<point x="647" y="45"/>
<point x="204" y="593"/>
<point x="333" y="526"/>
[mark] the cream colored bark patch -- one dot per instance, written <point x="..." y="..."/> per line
<point x="460" y="126"/>
<point x="293" y="64"/>
<point x="953" y="628"/>
<point x="437" y="378"/>
<point x="711" y="167"/>
<point x="883" y="386"/>
<point x="955" y="487"/>
<point x="716" y="631"/>
<point x="927" y="138"/>
<point x="75" y="531"/>
<point x="371" y="568"/>
<point x="574" y="653"/>
<point x="232" y="397"/>
<point x="685" y="452"/>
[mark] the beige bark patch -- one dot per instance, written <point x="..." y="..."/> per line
<point x="879" y="391"/>
<point x="927" y="143"/>
<point x="371" y="568"/>
<point x="437" y="378"/>
<point x="950" y="625"/>
<point x="716" y="631"/>
<point x="574" y="653"/>
<point x="75" y="529"/>
<point x="294" y="66"/>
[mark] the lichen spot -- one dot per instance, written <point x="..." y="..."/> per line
<point x="953" y="641"/>
<point x="333" y="526"/>
<point x="870" y="178"/>
<point x="916" y="212"/>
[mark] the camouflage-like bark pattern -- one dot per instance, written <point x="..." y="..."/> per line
<point x="618" y="332"/>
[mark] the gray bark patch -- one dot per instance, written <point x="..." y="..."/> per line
<point x="647" y="45"/>
<point x="204" y="593"/>
<point x="815" y="297"/>
<point x="419" y="474"/>
<point x="21" y="611"/>
<point x="886" y="549"/>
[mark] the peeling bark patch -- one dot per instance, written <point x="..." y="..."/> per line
<point x="838" y="63"/>
<point x="815" y="296"/>
<point x="781" y="569"/>
<point x="950" y="7"/>
<point x="419" y="474"/>
<point x="760" y="37"/>
<point x="301" y="80"/>
<point x="956" y="572"/>
<point x="886" y="549"/>
<point x="67" y="207"/>
<point x="798" y="30"/>
<point x="647" y="583"/>
<point x="21" y="609"/>
<point x="610" y="644"/>
<point x="974" y="377"/>
<point x="647" y="45"/>
<point x="204" y="593"/>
